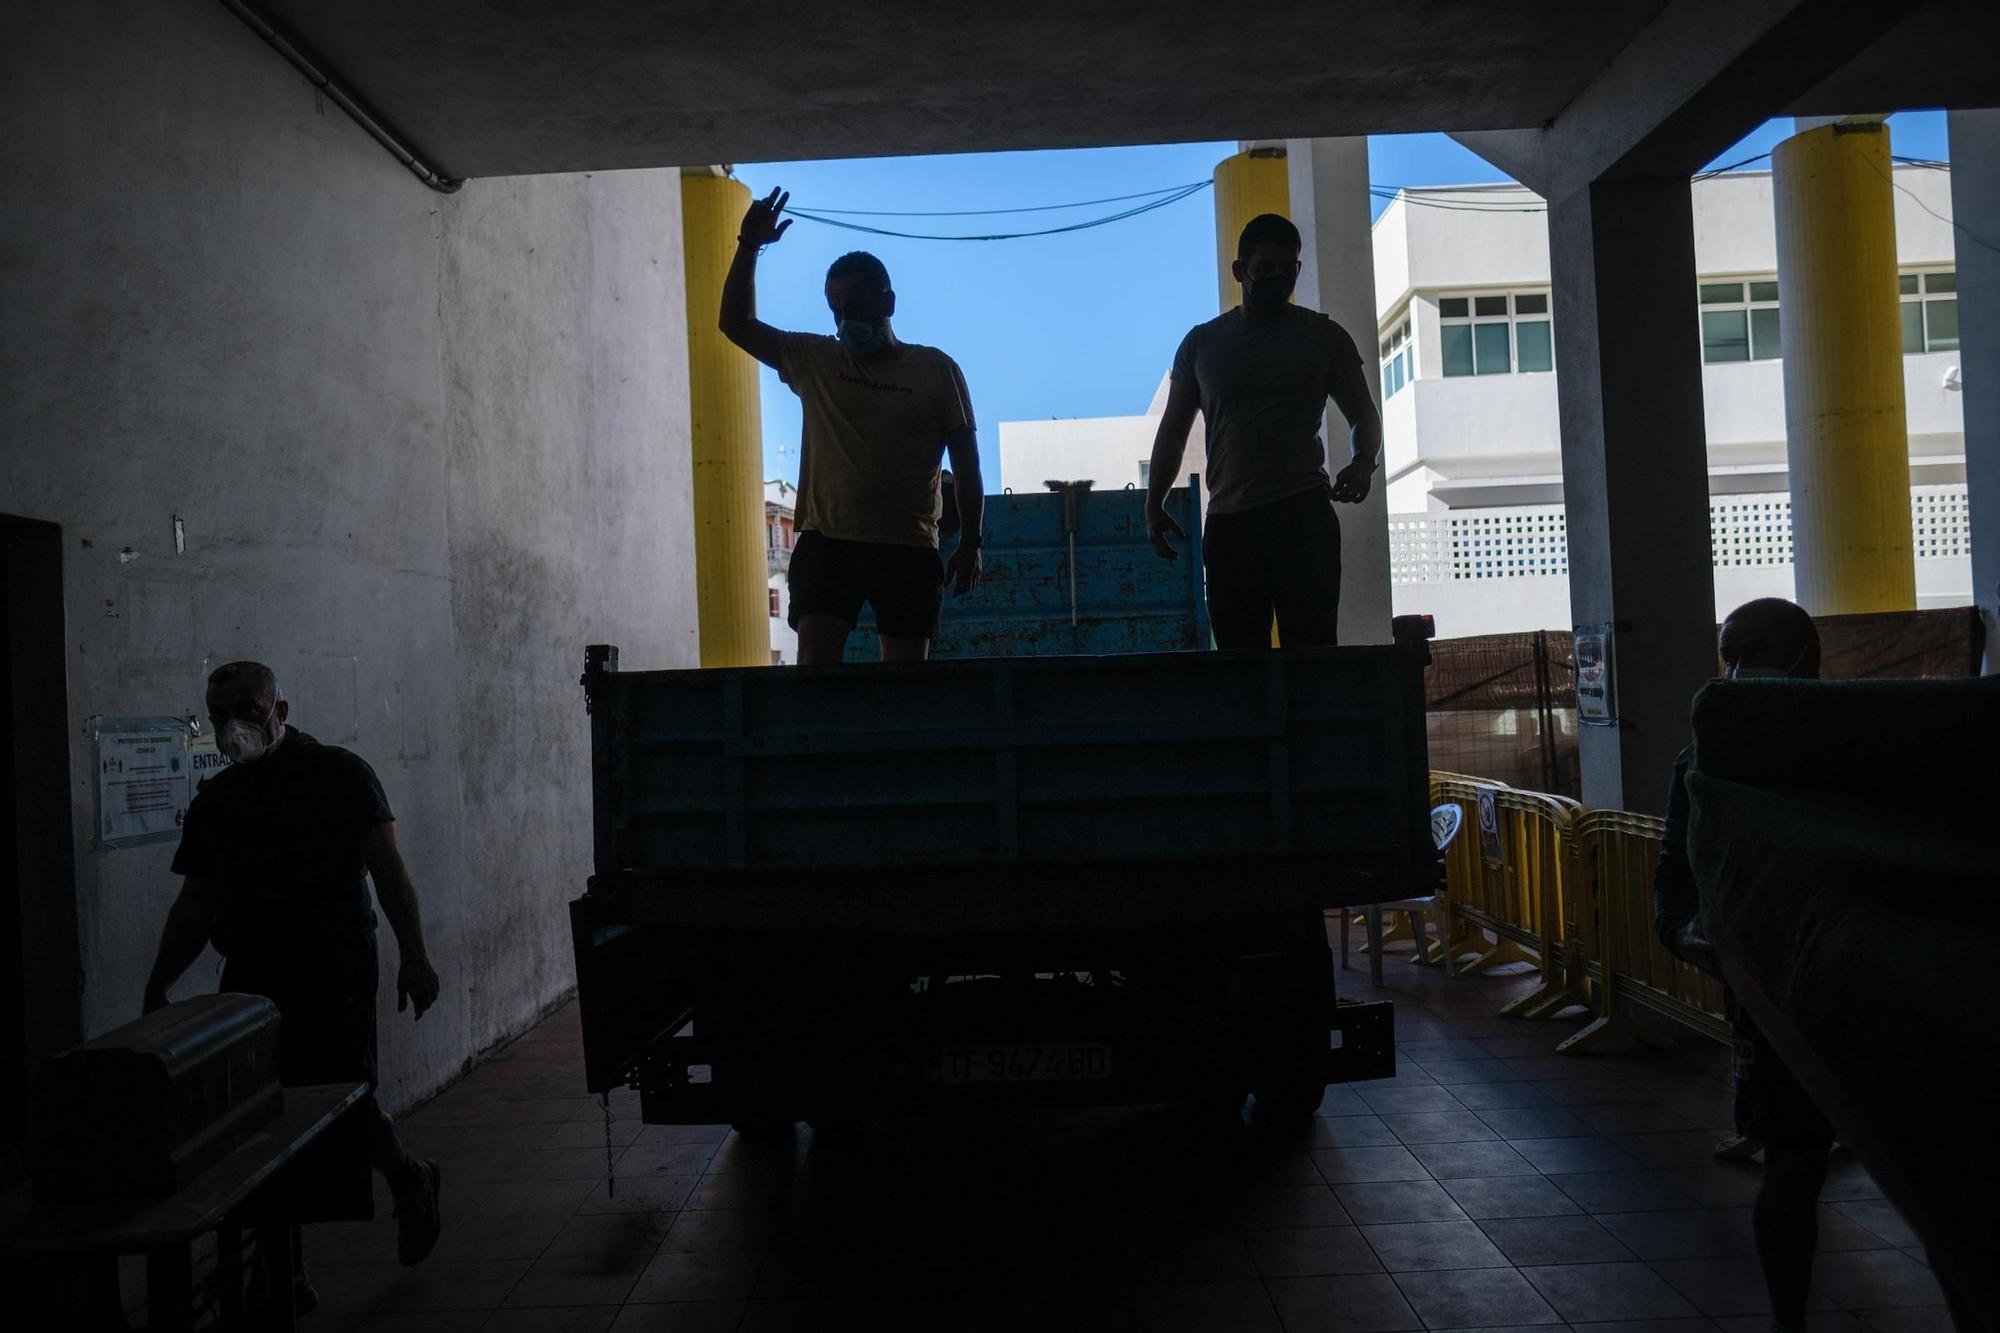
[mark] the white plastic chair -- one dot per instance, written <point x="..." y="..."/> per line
<point x="1445" y="823"/>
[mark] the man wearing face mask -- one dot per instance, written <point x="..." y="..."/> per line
<point x="276" y="851"/>
<point x="879" y="413"/>
<point x="1260" y="375"/>
<point x="1767" y="638"/>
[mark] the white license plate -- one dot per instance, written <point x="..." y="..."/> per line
<point x="1060" y="1061"/>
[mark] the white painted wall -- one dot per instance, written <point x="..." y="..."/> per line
<point x="1103" y="450"/>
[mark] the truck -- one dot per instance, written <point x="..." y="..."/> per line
<point x="1038" y="878"/>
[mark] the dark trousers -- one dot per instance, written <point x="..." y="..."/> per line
<point x="1279" y="559"/>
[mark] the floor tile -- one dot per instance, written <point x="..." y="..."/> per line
<point x="512" y="1198"/>
<point x="1622" y="1191"/>
<point x="583" y="1134"/>
<point x="1681" y="1148"/>
<point x="1631" y="1118"/>
<point x="697" y="1230"/>
<point x="1341" y="1166"/>
<point x="1699" y="1233"/>
<point x="1437" y="1126"/>
<point x="438" y="1284"/>
<point x="1475" y="1298"/>
<point x="1535" y="1122"/>
<point x="1384" y="1100"/>
<point x="1529" y="1241"/>
<point x="568" y="1319"/>
<point x="419" y="1321"/>
<point x="1566" y="1156"/>
<point x="463" y="1238"/>
<point x="1912" y="1319"/>
<point x="1875" y="1279"/>
<point x="1451" y="1073"/>
<point x="1196" y="1307"/>
<point x="1817" y="1321"/>
<point x="611" y="1233"/>
<point x="1204" y="1254"/>
<point x="1399" y="1201"/>
<point x="1722" y="1286"/>
<point x="1310" y="1252"/>
<point x="1350" y="1131"/>
<point x="1425" y="1053"/>
<point x="681" y="1317"/>
<point x="1288" y="1206"/>
<point x="1880" y="1217"/>
<point x="1458" y="1161"/>
<point x="352" y="1289"/>
<point x="1361" y="1304"/>
<point x="1495" y="1096"/>
<point x="1342" y="1099"/>
<point x="1405" y="1247"/>
<point x="580" y="1279"/>
<point x="1695" y="1325"/>
<point x="638" y="1194"/>
<point x="1598" y="1292"/>
<point x="1510" y="1196"/>
<point x="1718" y="1185"/>
<point x="677" y="1276"/>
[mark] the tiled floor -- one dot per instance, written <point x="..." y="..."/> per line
<point x="1490" y="1184"/>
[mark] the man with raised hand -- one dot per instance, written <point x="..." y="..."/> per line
<point x="879" y="415"/>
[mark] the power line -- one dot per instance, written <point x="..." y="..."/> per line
<point x="995" y="212"/>
<point x="1178" y="193"/>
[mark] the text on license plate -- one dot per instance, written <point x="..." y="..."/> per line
<point x="1024" y="1063"/>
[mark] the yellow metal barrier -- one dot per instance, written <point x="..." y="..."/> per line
<point x="1613" y="943"/>
<point x="1518" y="890"/>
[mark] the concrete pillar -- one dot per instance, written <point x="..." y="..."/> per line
<point x="1329" y="199"/>
<point x="1635" y="469"/>
<point x="731" y="591"/>
<point x="1250" y="183"/>
<point x="1975" y="199"/>
<point x="1847" y="436"/>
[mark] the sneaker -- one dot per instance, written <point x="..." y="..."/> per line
<point x="417" y="1214"/>
<point x="1737" y="1148"/>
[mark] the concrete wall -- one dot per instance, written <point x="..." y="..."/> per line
<point x="1104" y="450"/>
<point x="424" y="448"/>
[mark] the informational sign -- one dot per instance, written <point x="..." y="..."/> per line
<point x="1596" y="680"/>
<point x="143" y="784"/>
<point x="1490" y="845"/>
<point x="204" y="760"/>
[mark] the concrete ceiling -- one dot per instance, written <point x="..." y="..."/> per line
<point x="510" y="87"/>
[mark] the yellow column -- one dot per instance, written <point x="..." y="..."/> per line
<point x="731" y="575"/>
<point x="1245" y="185"/>
<point x="1846" y="435"/>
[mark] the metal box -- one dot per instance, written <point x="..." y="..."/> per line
<point x="1072" y="573"/>
<point x="145" y="1108"/>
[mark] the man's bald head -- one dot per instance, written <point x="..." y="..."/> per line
<point x="1770" y="636"/>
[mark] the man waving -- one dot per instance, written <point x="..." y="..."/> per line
<point x="879" y="414"/>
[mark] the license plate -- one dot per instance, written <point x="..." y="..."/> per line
<point x="1038" y="1063"/>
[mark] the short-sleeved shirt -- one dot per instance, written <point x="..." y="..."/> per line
<point x="874" y="437"/>
<point x="1263" y="386"/>
<point x="280" y="840"/>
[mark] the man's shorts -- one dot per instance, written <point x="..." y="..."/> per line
<point x="1771" y="1106"/>
<point x="904" y="584"/>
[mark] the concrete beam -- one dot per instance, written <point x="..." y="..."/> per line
<point x="1975" y="197"/>
<point x="1696" y="79"/>
<point x="1329" y="191"/>
<point x="1635" y="469"/>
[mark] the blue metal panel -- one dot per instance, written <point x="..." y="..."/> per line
<point x="1115" y="596"/>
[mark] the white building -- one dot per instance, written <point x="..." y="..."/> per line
<point x="780" y="506"/>
<point x="1472" y="452"/>
<point x="1111" y="451"/>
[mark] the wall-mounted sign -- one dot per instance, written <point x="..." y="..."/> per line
<point x="1596" y="678"/>
<point x="143" y="780"/>
<point x="1491" y="845"/>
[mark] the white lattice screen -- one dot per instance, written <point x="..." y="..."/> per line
<point x="1744" y="531"/>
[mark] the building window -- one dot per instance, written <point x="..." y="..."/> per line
<point x="1930" y="311"/>
<point x="1493" y="335"/>
<point x="774" y="603"/>
<point x="1739" y="320"/>
<point x="1145" y="472"/>
<point x="1396" y="360"/>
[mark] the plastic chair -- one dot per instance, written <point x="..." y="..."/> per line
<point x="1445" y="823"/>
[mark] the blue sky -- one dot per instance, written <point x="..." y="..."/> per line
<point x="1075" y="325"/>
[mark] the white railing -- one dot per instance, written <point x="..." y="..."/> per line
<point x="1745" y="531"/>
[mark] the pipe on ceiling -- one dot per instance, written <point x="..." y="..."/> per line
<point x="347" y="101"/>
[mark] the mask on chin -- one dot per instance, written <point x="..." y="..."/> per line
<point x="859" y="338"/>
<point x="1268" y="295"/>
<point x="1756" y="673"/>
<point x="243" y="743"/>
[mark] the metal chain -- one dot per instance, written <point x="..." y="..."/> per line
<point x="610" y="1181"/>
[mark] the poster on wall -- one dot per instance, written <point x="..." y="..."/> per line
<point x="1490" y="845"/>
<point x="1596" y="680"/>
<point x="143" y="784"/>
